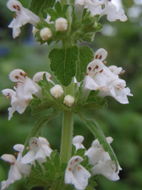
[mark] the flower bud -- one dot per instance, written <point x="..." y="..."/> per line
<point x="45" y="33"/>
<point x="69" y="100"/>
<point x="61" y="24"/>
<point x="57" y="91"/>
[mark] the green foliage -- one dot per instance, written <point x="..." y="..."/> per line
<point x="63" y="63"/>
<point x="40" y="7"/>
<point x="85" y="56"/>
<point x="68" y="62"/>
<point x="49" y="175"/>
<point x="94" y="101"/>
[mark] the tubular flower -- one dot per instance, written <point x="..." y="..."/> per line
<point x="22" y="93"/>
<point x="76" y="174"/>
<point x="17" y="169"/>
<point x="113" y="12"/>
<point x="106" y="79"/>
<point x="22" y="17"/>
<point x="77" y="142"/>
<point x="39" y="151"/>
<point x="101" y="161"/>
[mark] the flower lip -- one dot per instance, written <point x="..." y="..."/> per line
<point x="17" y="75"/>
<point x="8" y="92"/>
<point x="14" y="5"/>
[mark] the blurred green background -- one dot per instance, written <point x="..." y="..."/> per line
<point x="123" y="122"/>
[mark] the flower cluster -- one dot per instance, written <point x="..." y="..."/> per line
<point x="106" y="79"/>
<point x="25" y="88"/>
<point x="104" y="7"/>
<point x="75" y="173"/>
<point x="57" y="25"/>
<point x="99" y="78"/>
<point x="22" y="93"/>
<point x="39" y="149"/>
<point x="24" y="16"/>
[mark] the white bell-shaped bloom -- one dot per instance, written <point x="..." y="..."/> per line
<point x="22" y="93"/>
<point x="57" y="91"/>
<point x="76" y="174"/>
<point x="106" y="79"/>
<point x="113" y="12"/>
<point x="77" y="142"/>
<point x="101" y="161"/>
<point x="45" y="33"/>
<point x="23" y="16"/>
<point x="61" y="24"/>
<point x="69" y="100"/>
<point x="39" y="151"/>
<point x="17" y="169"/>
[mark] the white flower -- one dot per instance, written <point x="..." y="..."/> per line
<point x="61" y="24"/>
<point x="39" y="76"/>
<point x="94" y="6"/>
<point x="77" y="142"/>
<point x="69" y="100"/>
<point x="57" y="91"/>
<point x="23" y="16"/>
<point x="39" y="151"/>
<point x="45" y="33"/>
<point x="106" y="79"/>
<point x="76" y="174"/>
<point x="96" y="152"/>
<point x="22" y="93"/>
<point x="101" y="161"/>
<point x="17" y="169"/>
<point x="113" y="12"/>
<point x="116" y="70"/>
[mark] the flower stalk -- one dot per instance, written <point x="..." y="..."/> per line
<point x="66" y="138"/>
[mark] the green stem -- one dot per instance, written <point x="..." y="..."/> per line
<point x="67" y="135"/>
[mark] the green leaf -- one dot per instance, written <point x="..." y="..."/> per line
<point x="40" y="6"/>
<point x="85" y="56"/>
<point x="98" y="133"/>
<point x="63" y="63"/>
<point x="26" y="3"/>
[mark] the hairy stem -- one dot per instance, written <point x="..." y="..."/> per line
<point x="67" y="135"/>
